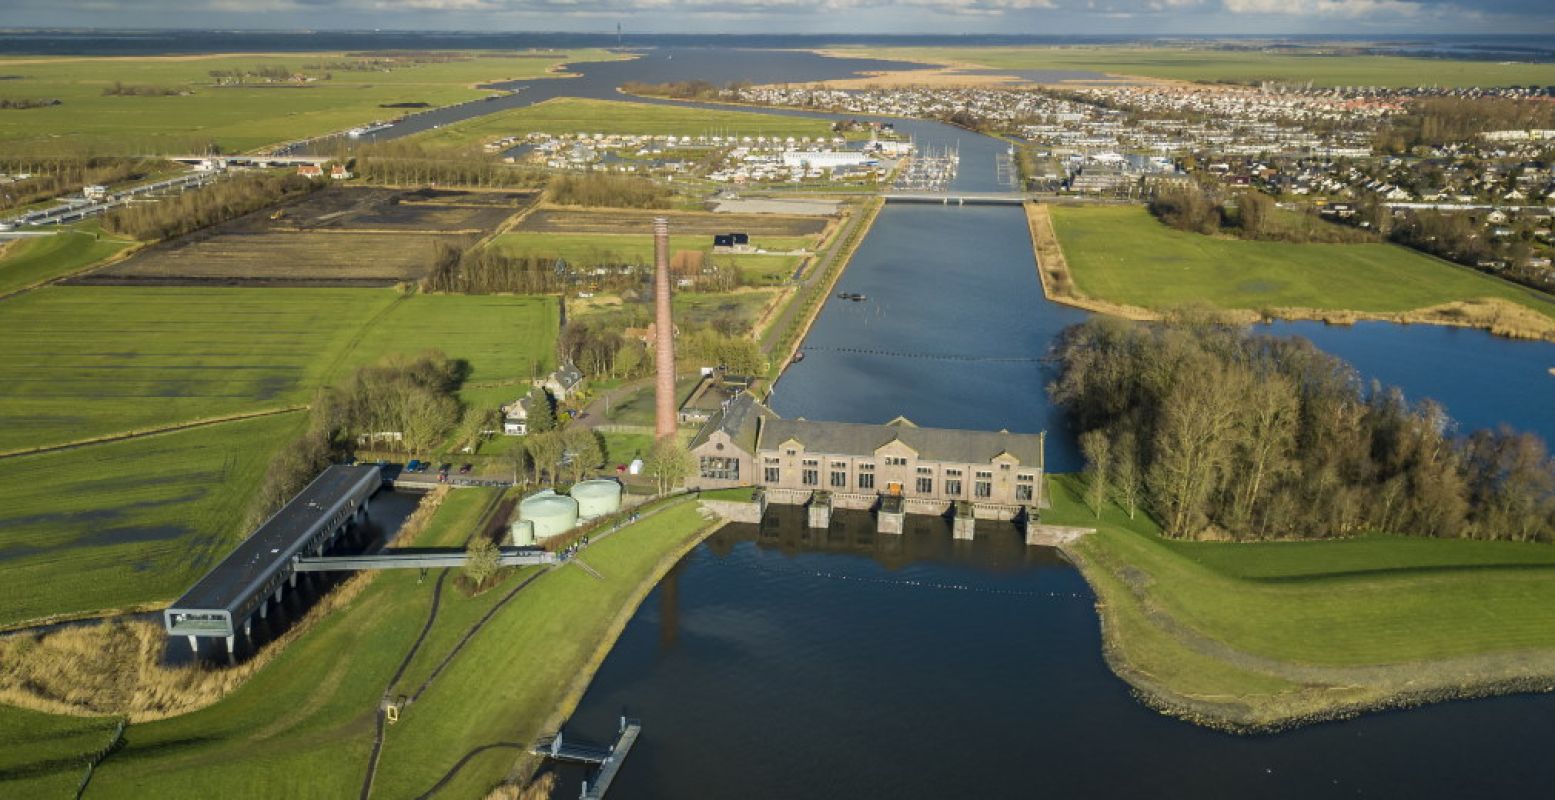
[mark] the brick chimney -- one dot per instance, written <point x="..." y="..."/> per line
<point x="664" y="355"/>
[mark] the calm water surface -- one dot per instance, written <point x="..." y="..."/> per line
<point x="779" y="662"/>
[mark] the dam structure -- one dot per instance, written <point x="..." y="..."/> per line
<point x="893" y="468"/>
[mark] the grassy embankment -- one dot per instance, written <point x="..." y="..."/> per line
<point x="1202" y="64"/>
<point x="29" y="262"/>
<point x="1121" y="260"/>
<point x="303" y="727"/>
<point x="132" y="522"/>
<point x="1252" y="636"/>
<point x="235" y="117"/>
<point x="573" y="115"/>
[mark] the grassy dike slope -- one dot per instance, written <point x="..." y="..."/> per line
<point x="1123" y="255"/>
<point x="1256" y="636"/>
<point x="304" y="726"/>
<point x="28" y="262"/>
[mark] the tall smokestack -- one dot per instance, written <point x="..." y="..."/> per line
<point x="664" y="356"/>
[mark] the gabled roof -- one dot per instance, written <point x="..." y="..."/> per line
<point x="931" y="444"/>
<point x="741" y="418"/>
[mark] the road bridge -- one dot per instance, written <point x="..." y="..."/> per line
<point x="243" y="584"/>
<point x="250" y="160"/>
<point x="957" y="198"/>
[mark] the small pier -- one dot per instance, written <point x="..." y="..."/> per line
<point x="608" y="759"/>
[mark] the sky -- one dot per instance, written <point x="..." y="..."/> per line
<point x="1033" y="17"/>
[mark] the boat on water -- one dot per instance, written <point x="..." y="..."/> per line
<point x="854" y="296"/>
<point x="357" y="133"/>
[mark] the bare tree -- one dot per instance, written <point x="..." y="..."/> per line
<point x="1098" y="466"/>
<point x="583" y="444"/>
<point x="483" y="561"/>
<point x="546" y="450"/>
<point x="669" y="464"/>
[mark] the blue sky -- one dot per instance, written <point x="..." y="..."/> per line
<point x="1036" y="17"/>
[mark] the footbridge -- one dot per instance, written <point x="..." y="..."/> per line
<point x="420" y="559"/>
<point x="957" y="198"/>
<point x="225" y="601"/>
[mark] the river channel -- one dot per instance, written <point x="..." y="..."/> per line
<point x="780" y="662"/>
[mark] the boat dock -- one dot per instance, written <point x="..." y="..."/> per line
<point x="609" y="759"/>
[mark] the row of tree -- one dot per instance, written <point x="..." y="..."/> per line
<point x="1249" y="214"/>
<point x="206" y="206"/>
<point x="1222" y="434"/>
<point x="50" y="177"/>
<point x="20" y="103"/>
<point x="1435" y="121"/>
<point x="445" y="170"/>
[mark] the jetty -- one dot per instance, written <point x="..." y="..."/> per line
<point x="607" y="758"/>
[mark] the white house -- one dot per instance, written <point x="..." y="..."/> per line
<point x="515" y="417"/>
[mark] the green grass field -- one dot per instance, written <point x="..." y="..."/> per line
<point x="91" y="361"/>
<point x="1124" y="255"/>
<point x="303" y="726"/>
<point x="601" y="248"/>
<point x="1197" y="64"/>
<point x="571" y="115"/>
<point x="30" y="261"/>
<point x="1371" y="614"/>
<point x="236" y="118"/>
<point x="136" y="521"/>
<point x="127" y="523"/>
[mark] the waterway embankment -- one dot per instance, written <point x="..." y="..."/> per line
<point x="1497" y="316"/>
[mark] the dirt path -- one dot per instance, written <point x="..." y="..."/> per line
<point x="182" y="426"/>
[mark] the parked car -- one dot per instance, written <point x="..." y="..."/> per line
<point x="414" y="465"/>
<point x="444" y="469"/>
<point x="464" y="469"/>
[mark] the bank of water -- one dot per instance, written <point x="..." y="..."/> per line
<point x="776" y="661"/>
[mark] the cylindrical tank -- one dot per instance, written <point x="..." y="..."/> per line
<point x="596" y="498"/>
<point x="521" y="533"/>
<point x="549" y="513"/>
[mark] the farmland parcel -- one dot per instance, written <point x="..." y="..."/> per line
<point x="133" y="106"/>
<point x="337" y="237"/>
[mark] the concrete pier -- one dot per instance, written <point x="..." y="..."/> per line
<point x="964" y="526"/>
<point x="607" y="770"/>
<point x="820" y="510"/>
<point x="892" y="516"/>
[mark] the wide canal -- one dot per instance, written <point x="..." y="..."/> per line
<point x="780" y="662"/>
